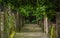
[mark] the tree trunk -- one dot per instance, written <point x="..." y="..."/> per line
<point x="2" y="25"/>
<point x="45" y="24"/>
<point x="20" y="21"/>
<point x="17" y="22"/>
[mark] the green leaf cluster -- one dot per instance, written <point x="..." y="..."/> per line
<point x="38" y="7"/>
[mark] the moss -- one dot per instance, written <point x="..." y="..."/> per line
<point x="12" y="34"/>
<point x="52" y="32"/>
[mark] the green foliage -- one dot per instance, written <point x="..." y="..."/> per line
<point x="9" y="24"/>
<point x="6" y="27"/>
<point x="39" y="7"/>
<point x="0" y="1"/>
<point x="45" y="7"/>
<point x="40" y="11"/>
<point x="25" y="10"/>
<point x="51" y="14"/>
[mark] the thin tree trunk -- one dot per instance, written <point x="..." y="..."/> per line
<point x="17" y="22"/>
<point x="20" y="21"/>
<point x="23" y="21"/>
<point x="14" y="22"/>
<point x="2" y="25"/>
<point x="45" y="24"/>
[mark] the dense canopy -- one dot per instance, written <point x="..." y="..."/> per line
<point x="38" y="7"/>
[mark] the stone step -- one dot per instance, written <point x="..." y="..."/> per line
<point x="31" y="31"/>
<point x="34" y="25"/>
<point x="31" y="28"/>
<point x="31" y="35"/>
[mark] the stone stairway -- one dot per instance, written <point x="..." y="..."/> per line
<point x="31" y="31"/>
<point x="31" y="28"/>
<point x="31" y="35"/>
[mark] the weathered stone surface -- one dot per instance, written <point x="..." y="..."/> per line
<point x="31" y="31"/>
<point x="31" y="35"/>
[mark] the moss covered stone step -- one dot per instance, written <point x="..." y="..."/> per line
<point x="31" y="35"/>
<point x="31" y="28"/>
